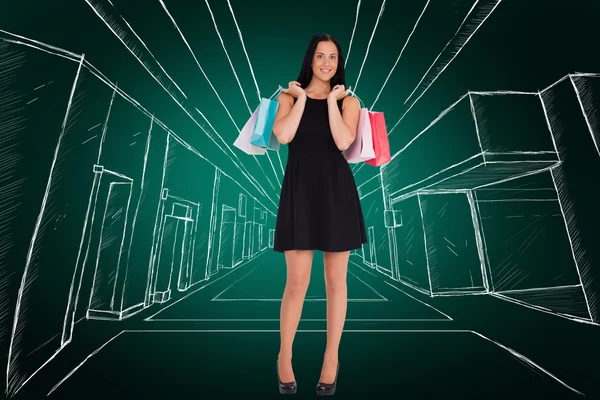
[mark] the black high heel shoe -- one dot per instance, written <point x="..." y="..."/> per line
<point x="288" y="387"/>
<point x="327" y="389"/>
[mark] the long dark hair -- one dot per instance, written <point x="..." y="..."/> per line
<point x="306" y="74"/>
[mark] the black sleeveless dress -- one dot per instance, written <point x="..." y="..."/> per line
<point x="319" y="206"/>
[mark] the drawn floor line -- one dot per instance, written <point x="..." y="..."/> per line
<point x="301" y="320"/>
<point x="402" y="291"/>
<point x="349" y="300"/>
<point x="217" y="297"/>
<point x="521" y="303"/>
<point x="514" y="353"/>
<point x="204" y="286"/>
<point x="528" y="361"/>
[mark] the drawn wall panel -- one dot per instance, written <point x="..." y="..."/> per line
<point x="376" y="252"/>
<point x="55" y="148"/>
<point x="569" y="105"/>
<point x="452" y="243"/>
<point x="587" y="89"/>
<point x="125" y="143"/>
<point x="410" y="242"/>
<point x="146" y="206"/>
<point x="511" y="123"/>
<point x="522" y="224"/>
<point x="191" y="183"/>
<point x="527" y="245"/>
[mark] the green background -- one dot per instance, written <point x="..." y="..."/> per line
<point x="425" y="319"/>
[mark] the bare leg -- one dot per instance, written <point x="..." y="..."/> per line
<point x="299" y="263"/>
<point x="336" y="267"/>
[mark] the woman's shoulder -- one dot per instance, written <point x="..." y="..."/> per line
<point x="287" y="98"/>
<point x="349" y="101"/>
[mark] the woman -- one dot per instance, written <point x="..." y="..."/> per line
<point x="319" y="206"/>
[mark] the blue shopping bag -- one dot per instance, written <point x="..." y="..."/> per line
<point x="262" y="135"/>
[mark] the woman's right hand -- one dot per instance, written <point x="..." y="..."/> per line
<point x="294" y="90"/>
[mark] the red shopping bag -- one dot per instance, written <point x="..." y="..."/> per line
<point x="381" y="145"/>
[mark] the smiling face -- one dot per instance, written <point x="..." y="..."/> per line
<point x="325" y="61"/>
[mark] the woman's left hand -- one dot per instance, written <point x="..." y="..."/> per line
<point x="338" y="92"/>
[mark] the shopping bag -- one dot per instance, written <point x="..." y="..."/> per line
<point x="243" y="140"/>
<point x="381" y="144"/>
<point x="262" y="134"/>
<point x="362" y="147"/>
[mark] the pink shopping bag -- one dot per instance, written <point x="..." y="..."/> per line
<point x="381" y="144"/>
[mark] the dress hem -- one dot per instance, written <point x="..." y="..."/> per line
<point x="318" y="248"/>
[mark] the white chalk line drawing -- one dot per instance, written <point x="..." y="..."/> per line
<point x="548" y="168"/>
<point x="97" y="270"/>
<point x="400" y="55"/>
<point x="350" y="300"/>
<point x="211" y="85"/>
<point x="479" y="21"/>
<point x="575" y="248"/>
<point x="400" y="290"/>
<point x="542" y="165"/>
<point x="519" y="356"/>
<point x="528" y="361"/>
<point x="71" y="308"/>
<point x="540" y="308"/>
<point x="369" y="44"/>
<point x="195" y="291"/>
<point x="585" y="99"/>
<point x="212" y="16"/>
<point x="134" y="223"/>
<point x="479" y="240"/>
<point x="461" y="42"/>
<point x="308" y="299"/>
<point x="219" y="298"/>
<point x="422" y="302"/>
<point x="300" y="330"/>
<point x="46" y="48"/>
<point x="427" y="252"/>
<point x="367" y="285"/>
<point x="474" y="113"/>
<point x="365" y="270"/>
<point x="73" y="298"/>
<point x="251" y="70"/>
<point x="238" y="81"/>
<point x="83" y="362"/>
<point x="11" y="189"/>
<point x="231" y="154"/>
<point x="22" y="287"/>
<point x="260" y="165"/>
<point x="162" y="3"/>
<point x="150" y="52"/>
<point x="152" y="278"/>
<point x="301" y="320"/>
<point x="244" y="48"/>
<point x="483" y="154"/>
<point x="252" y="270"/>
<point x="353" y="31"/>
<point x="160" y="296"/>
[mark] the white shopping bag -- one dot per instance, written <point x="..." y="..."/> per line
<point x="243" y="140"/>
<point x="362" y="147"/>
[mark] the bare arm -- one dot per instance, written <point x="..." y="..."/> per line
<point x="288" y="117"/>
<point x="343" y="125"/>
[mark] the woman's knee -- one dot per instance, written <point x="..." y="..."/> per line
<point x="297" y="284"/>
<point x="336" y="267"/>
<point x="298" y="271"/>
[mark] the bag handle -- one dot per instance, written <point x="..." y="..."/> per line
<point x="277" y="92"/>
<point x="350" y="91"/>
